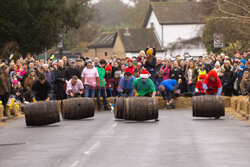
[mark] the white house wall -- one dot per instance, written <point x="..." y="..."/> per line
<point x="172" y="33"/>
<point x="157" y="26"/>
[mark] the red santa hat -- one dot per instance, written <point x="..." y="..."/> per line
<point x="144" y="74"/>
<point x="130" y="60"/>
<point x="108" y="68"/>
<point x="212" y="73"/>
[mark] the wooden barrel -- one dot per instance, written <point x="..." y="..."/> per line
<point x="41" y="113"/>
<point x="78" y="108"/>
<point x="208" y="106"/>
<point x="136" y="108"/>
<point x="119" y="108"/>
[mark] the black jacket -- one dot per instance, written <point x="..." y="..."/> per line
<point x="60" y="76"/>
<point x="70" y="72"/>
<point x="41" y="91"/>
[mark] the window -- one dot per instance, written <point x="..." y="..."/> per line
<point x="106" y="53"/>
<point x="152" y="25"/>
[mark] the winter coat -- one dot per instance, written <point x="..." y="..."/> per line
<point x="174" y="74"/>
<point x="70" y="72"/>
<point x="5" y="86"/>
<point x="60" y="76"/>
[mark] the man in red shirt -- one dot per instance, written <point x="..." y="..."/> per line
<point x="199" y="88"/>
<point x="212" y="84"/>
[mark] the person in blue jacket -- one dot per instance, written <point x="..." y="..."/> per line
<point x="168" y="88"/>
<point x="126" y="85"/>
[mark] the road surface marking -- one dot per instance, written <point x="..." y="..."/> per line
<point x="92" y="148"/>
<point x="74" y="164"/>
<point x="115" y="124"/>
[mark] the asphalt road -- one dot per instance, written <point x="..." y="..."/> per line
<point x="177" y="140"/>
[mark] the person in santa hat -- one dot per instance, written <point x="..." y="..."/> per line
<point x="212" y="84"/>
<point x="168" y="88"/>
<point x="199" y="88"/>
<point x="130" y="67"/>
<point x="144" y="86"/>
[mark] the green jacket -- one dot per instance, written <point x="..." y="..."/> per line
<point x="101" y="72"/>
<point x="144" y="88"/>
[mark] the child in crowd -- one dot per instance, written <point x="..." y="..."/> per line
<point x="199" y="88"/>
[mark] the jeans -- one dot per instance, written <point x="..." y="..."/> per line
<point x="128" y="93"/>
<point x="102" y="92"/>
<point x="89" y="91"/>
<point x="168" y="94"/>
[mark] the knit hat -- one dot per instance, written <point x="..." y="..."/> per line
<point x="150" y="51"/>
<point x="202" y="76"/>
<point x="217" y="63"/>
<point x="15" y="82"/>
<point x="144" y="74"/>
<point x="212" y="73"/>
<point x="238" y="52"/>
<point x="243" y="61"/>
<point x="130" y="60"/>
<point x="118" y="73"/>
<point x="108" y="68"/>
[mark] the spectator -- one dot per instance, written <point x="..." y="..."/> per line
<point x="90" y="79"/>
<point x="130" y="67"/>
<point x="199" y="88"/>
<point x="74" y="87"/>
<point x="4" y="85"/>
<point x="17" y="91"/>
<point x="174" y="73"/>
<point x="150" y="64"/>
<point x="166" y="68"/>
<point x="228" y="87"/>
<point x="141" y="56"/>
<point x="49" y="75"/>
<point x="101" y="90"/>
<point x="60" y="81"/>
<point x="245" y="83"/>
<point x="191" y="77"/>
<point x="72" y="71"/>
<point x="158" y="80"/>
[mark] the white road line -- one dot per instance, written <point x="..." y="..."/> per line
<point x="74" y="164"/>
<point x="92" y="148"/>
<point x="114" y="125"/>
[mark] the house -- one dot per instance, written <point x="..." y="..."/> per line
<point x="124" y="43"/>
<point x="102" y="46"/>
<point x="129" y="42"/>
<point x="178" y="26"/>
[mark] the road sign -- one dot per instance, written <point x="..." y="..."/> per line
<point x="218" y="40"/>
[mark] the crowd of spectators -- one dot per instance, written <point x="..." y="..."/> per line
<point x="30" y="80"/>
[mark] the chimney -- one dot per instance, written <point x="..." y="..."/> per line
<point x="127" y="33"/>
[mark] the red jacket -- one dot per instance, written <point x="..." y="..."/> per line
<point x="130" y="69"/>
<point x="212" y="86"/>
<point x="199" y="87"/>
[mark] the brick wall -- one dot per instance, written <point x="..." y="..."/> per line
<point x="100" y="52"/>
<point x="119" y="48"/>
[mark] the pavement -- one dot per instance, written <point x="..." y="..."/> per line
<point x="177" y="140"/>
